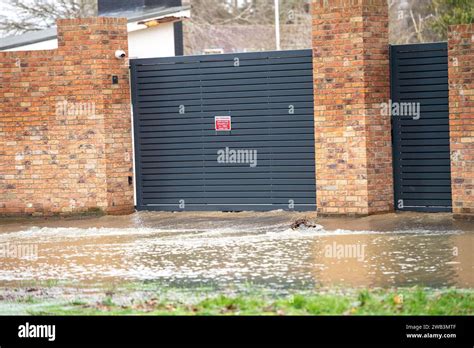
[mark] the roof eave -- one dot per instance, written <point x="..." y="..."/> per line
<point x="51" y="33"/>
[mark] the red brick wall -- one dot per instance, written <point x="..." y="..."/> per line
<point x="59" y="158"/>
<point x="461" y="117"/>
<point x="351" y="80"/>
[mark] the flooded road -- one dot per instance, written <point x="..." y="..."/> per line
<point x="224" y="249"/>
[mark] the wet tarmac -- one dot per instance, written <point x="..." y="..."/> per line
<point x="188" y="249"/>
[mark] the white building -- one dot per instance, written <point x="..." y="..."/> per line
<point x="154" y="28"/>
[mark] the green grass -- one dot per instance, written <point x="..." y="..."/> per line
<point x="406" y="301"/>
<point x="27" y="299"/>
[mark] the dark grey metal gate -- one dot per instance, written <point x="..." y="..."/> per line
<point x="269" y="96"/>
<point x="421" y="154"/>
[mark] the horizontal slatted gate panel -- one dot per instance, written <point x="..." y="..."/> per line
<point x="422" y="172"/>
<point x="269" y="96"/>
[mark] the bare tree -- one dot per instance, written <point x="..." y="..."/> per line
<point x="246" y="25"/>
<point x="413" y="21"/>
<point x="296" y="22"/>
<point x="32" y="15"/>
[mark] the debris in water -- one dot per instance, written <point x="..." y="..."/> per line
<point x="302" y="222"/>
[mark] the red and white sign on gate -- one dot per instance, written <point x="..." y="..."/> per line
<point x="222" y="123"/>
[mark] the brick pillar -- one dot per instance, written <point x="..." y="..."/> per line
<point x="92" y="43"/>
<point x="65" y="130"/>
<point x="461" y="118"/>
<point x="351" y="80"/>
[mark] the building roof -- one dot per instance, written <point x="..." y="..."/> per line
<point x="143" y="13"/>
<point x="135" y="15"/>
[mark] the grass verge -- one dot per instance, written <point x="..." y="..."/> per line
<point x="406" y="301"/>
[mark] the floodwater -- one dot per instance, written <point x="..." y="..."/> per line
<point x="223" y="249"/>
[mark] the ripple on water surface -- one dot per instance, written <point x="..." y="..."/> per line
<point x="279" y="257"/>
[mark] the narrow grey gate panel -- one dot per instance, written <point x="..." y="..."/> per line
<point x="422" y="174"/>
<point x="269" y="97"/>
